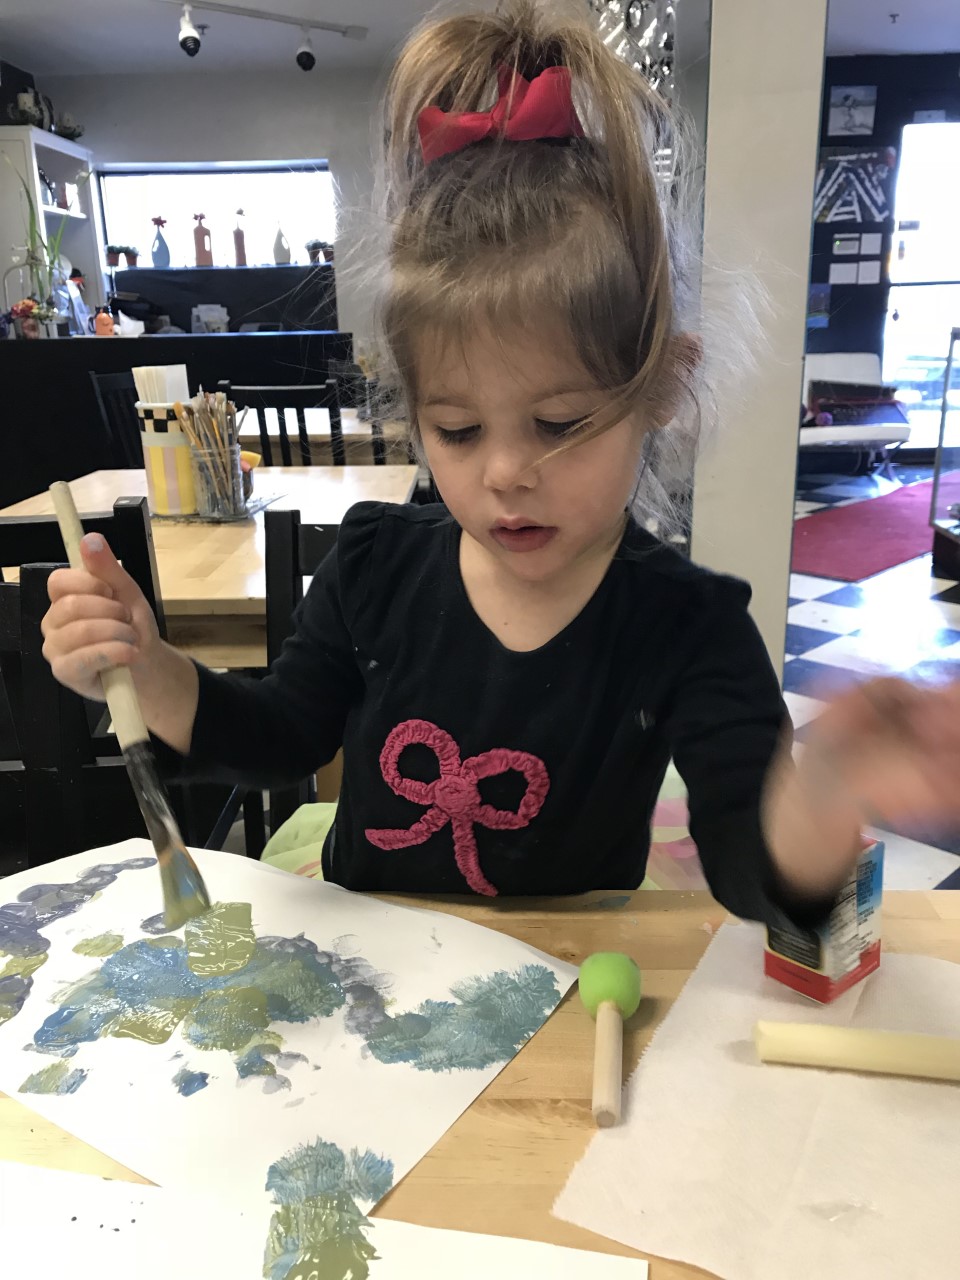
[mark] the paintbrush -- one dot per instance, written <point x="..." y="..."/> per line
<point x="184" y="893"/>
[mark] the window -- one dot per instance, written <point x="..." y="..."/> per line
<point x="297" y="199"/>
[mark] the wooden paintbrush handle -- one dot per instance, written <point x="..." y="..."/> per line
<point x="118" y="686"/>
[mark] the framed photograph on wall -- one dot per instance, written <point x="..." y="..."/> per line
<point x="852" y="111"/>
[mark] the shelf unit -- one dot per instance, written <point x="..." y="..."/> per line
<point x="29" y="150"/>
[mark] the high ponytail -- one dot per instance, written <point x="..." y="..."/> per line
<point x="590" y="230"/>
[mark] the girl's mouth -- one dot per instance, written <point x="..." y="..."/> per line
<point x="521" y="535"/>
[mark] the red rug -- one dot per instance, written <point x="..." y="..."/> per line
<point x="850" y="543"/>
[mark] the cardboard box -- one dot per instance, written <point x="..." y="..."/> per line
<point x="823" y="963"/>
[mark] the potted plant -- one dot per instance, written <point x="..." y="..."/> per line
<point x="131" y="253"/>
<point x="317" y="247"/>
<point x="42" y="257"/>
<point x="113" y="254"/>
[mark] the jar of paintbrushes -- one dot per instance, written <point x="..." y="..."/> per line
<point x="209" y="421"/>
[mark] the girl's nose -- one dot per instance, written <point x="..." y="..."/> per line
<point x="509" y="467"/>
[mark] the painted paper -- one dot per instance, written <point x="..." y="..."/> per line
<point x="293" y="1013"/>
<point x="118" y="1230"/>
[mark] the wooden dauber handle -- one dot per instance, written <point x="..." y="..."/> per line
<point x="608" y="1064"/>
<point x="117" y="682"/>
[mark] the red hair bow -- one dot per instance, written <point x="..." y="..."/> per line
<point x="526" y="110"/>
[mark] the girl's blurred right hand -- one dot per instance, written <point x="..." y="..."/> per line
<point x="98" y="618"/>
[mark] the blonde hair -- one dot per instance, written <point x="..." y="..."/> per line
<point x="592" y="231"/>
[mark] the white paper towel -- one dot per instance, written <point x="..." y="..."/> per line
<point x="759" y="1172"/>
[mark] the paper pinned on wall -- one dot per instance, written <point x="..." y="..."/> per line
<point x="843" y="273"/>
<point x="295" y="1032"/>
<point x="751" y="1171"/>
<point x="871" y="243"/>
<point x="868" y="272"/>
<point x="117" y="1230"/>
<point x="846" y="246"/>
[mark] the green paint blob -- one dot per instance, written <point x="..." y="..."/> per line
<point x="22" y="966"/>
<point x="318" y="1229"/>
<point x="227" y="1019"/>
<point x="167" y="942"/>
<point x="104" y="944"/>
<point x="56" y="1077"/>
<point x="221" y="940"/>
<point x="152" y="1024"/>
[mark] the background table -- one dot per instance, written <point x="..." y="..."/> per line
<point x="501" y="1166"/>
<point x="212" y="575"/>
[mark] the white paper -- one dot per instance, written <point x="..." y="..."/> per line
<point x="349" y="1035"/>
<point x="871" y="242"/>
<point x="121" y="1231"/>
<point x="843" y="273"/>
<point x="869" y="272"/>
<point x="753" y="1171"/>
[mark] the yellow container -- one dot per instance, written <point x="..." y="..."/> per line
<point x="166" y="460"/>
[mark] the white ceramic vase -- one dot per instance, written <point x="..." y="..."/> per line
<point x="281" y="249"/>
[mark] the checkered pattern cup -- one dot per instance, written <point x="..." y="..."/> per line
<point x="166" y="460"/>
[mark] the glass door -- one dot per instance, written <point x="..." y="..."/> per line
<point x="924" y="300"/>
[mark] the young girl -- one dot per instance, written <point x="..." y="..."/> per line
<point x="509" y="673"/>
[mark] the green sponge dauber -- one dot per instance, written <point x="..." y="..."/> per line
<point x="610" y="992"/>
<point x="610" y="975"/>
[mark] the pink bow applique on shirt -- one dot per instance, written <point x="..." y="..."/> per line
<point x="454" y="797"/>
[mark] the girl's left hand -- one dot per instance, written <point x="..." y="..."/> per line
<point x="886" y="754"/>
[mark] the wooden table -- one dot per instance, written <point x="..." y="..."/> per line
<point x="212" y="575"/>
<point x="502" y="1164"/>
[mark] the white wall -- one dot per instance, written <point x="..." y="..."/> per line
<point x="287" y="115"/>
<point x="763" y="122"/>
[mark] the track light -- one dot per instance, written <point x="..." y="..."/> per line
<point x="189" y="36"/>
<point x="306" y="58"/>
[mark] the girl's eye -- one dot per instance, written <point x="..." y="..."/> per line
<point x="457" y="436"/>
<point x="559" y="428"/>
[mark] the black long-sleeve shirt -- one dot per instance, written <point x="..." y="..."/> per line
<point x="471" y="766"/>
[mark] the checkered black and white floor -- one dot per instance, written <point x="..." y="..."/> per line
<point x="901" y="622"/>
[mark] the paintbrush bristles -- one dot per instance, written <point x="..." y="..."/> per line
<point x="209" y="422"/>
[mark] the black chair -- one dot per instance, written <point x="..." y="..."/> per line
<point x="66" y="782"/>
<point x="321" y="395"/>
<point x="116" y="397"/>
<point x="293" y="551"/>
<point x="65" y="789"/>
<point x="356" y="391"/>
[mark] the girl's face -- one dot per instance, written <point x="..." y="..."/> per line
<point x="489" y="412"/>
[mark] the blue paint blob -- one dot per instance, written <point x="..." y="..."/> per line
<point x="39" y="905"/>
<point x="486" y="1023"/>
<point x="190" y="1082"/>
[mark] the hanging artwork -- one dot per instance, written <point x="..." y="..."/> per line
<point x="855" y="185"/>
<point x="852" y="110"/>
<point x="119" y="1230"/>
<point x="297" y="1040"/>
<point x="818" y="306"/>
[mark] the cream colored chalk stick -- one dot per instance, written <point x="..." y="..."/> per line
<point x="891" y="1053"/>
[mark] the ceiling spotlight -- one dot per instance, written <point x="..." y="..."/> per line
<point x="189" y="36"/>
<point x="306" y="58"/>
